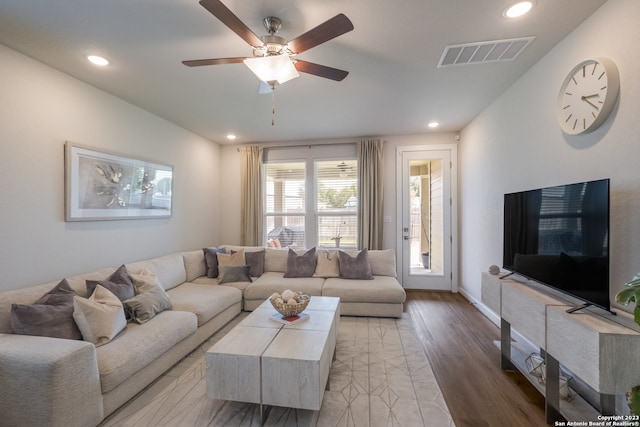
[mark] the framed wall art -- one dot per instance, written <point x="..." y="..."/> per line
<point x="100" y="185"/>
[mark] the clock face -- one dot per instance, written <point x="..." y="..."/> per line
<point x="587" y="96"/>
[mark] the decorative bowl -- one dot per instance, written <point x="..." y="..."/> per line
<point x="288" y="310"/>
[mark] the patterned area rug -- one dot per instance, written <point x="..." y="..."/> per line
<point x="381" y="377"/>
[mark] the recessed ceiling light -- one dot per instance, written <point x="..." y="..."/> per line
<point x="433" y="124"/>
<point x="518" y="9"/>
<point x="97" y="60"/>
<point x="231" y="137"/>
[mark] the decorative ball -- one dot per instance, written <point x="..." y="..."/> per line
<point x="292" y="301"/>
<point x="287" y="295"/>
<point x="494" y="269"/>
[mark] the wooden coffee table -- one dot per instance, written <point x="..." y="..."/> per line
<point x="262" y="361"/>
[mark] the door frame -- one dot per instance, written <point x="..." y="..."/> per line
<point x="453" y="170"/>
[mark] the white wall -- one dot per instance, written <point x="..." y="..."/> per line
<point x="516" y="144"/>
<point x="40" y="108"/>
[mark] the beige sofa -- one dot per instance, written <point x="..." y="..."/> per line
<point x="61" y="382"/>
<point x="382" y="296"/>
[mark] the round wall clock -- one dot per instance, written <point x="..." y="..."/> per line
<point x="587" y="95"/>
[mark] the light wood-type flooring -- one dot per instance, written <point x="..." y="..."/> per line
<point x="459" y="340"/>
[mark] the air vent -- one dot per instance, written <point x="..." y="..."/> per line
<point x="480" y="52"/>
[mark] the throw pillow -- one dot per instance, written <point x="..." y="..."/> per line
<point x="327" y="264"/>
<point x="301" y="265"/>
<point x="355" y="268"/>
<point x="236" y="258"/>
<point x="150" y="298"/>
<point x="234" y="273"/>
<point x="255" y="261"/>
<point x="119" y="283"/>
<point x="49" y="316"/>
<point x="211" y="260"/>
<point x="99" y="317"/>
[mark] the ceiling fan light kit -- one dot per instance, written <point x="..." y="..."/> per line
<point x="271" y="69"/>
<point x="272" y="54"/>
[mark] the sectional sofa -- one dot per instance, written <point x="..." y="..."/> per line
<point x="67" y="382"/>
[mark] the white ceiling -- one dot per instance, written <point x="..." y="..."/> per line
<point x="394" y="86"/>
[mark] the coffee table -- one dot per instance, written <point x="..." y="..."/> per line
<point x="265" y="362"/>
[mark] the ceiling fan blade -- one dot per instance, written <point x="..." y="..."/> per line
<point x="234" y="23"/>
<point x="320" y="70"/>
<point x="216" y="61"/>
<point x="326" y="31"/>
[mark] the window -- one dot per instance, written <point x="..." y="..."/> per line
<point x="311" y="200"/>
<point x="336" y="203"/>
<point x="285" y="204"/>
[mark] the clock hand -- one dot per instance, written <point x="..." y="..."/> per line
<point x="589" y="102"/>
<point x="589" y="96"/>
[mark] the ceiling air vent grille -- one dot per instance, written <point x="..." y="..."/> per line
<point x="481" y="52"/>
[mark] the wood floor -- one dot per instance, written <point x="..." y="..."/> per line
<point x="459" y="344"/>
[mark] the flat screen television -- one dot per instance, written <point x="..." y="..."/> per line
<point x="559" y="236"/>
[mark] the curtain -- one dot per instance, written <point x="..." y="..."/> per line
<point x="370" y="174"/>
<point x="251" y="212"/>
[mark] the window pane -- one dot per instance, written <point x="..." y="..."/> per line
<point x="337" y="186"/>
<point x="289" y="234"/>
<point x="285" y="204"/>
<point x="285" y="187"/>
<point x="338" y="231"/>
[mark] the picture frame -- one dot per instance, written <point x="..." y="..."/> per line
<point x="101" y="185"/>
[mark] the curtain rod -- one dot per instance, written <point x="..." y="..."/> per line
<point x="280" y="147"/>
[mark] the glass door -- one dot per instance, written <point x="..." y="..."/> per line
<point x="426" y="219"/>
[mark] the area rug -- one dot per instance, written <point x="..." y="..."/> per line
<point x="381" y="377"/>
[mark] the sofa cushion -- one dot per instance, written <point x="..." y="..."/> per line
<point x="327" y="264"/>
<point x="194" y="264"/>
<point x="382" y="261"/>
<point x="234" y="273"/>
<point x="271" y="282"/>
<point x="140" y="345"/>
<point x="357" y="267"/>
<point x="169" y="269"/>
<point x="99" y="317"/>
<point x="275" y="260"/>
<point x="381" y="289"/>
<point x="50" y="316"/>
<point x="301" y="265"/>
<point x="205" y="301"/>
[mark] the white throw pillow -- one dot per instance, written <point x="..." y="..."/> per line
<point x="327" y="264"/>
<point x="100" y="317"/>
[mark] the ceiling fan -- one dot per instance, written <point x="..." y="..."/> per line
<point x="275" y="52"/>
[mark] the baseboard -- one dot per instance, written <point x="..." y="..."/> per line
<point x="495" y="319"/>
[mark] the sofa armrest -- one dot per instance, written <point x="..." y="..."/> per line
<point x="48" y="381"/>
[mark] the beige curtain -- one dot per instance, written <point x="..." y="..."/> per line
<point x="251" y="196"/>
<point x="370" y="174"/>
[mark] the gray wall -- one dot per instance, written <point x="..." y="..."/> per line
<point x="516" y="144"/>
<point x="40" y="109"/>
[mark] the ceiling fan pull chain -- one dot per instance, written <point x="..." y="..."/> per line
<point x="273" y="105"/>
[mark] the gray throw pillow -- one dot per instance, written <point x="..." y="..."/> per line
<point x="121" y="290"/>
<point x="255" y="261"/>
<point x="119" y="284"/>
<point x="301" y="265"/>
<point x="211" y="261"/>
<point x="150" y="298"/>
<point x="234" y="273"/>
<point x="357" y="267"/>
<point x="50" y="316"/>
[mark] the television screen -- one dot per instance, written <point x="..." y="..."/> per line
<point x="559" y="236"/>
